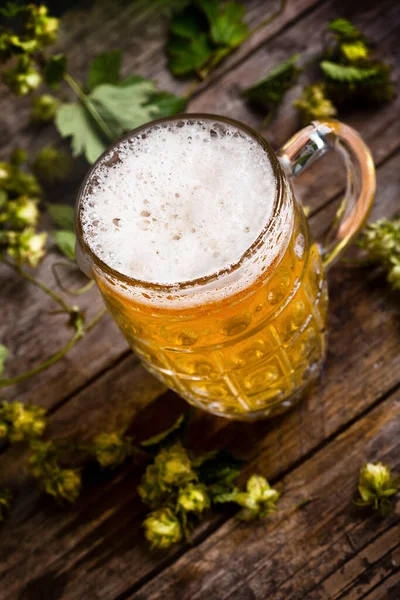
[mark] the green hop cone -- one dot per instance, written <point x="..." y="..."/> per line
<point x="26" y="246"/>
<point x="4" y="429"/>
<point x="18" y="157"/>
<point x="162" y="528"/>
<point x="40" y="26"/>
<point x="149" y="488"/>
<point x="5" y="502"/>
<point x="22" y="212"/>
<point x="375" y="487"/>
<point x="62" y="484"/>
<point x="394" y="273"/>
<point x="193" y="497"/>
<point x="111" y="449"/>
<point x="174" y="467"/>
<point x="22" y="421"/>
<point x="6" y="171"/>
<point x="381" y="239"/>
<point x="313" y="104"/>
<point x="44" y="108"/>
<point x="259" y="499"/>
<point x="51" y="164"/>
<point x="381" y="242"/>
<point x="23" y="78"/>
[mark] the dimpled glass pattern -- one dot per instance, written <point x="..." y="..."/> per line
<point x="244" y="359"/>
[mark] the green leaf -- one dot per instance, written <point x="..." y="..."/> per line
<point x="55" y="70"/>
<point x="74" y="120"/>
<point x="104" y="69"/>
<point x="167" y="437"/>
<point x="125" y="107"/>
<point x="3" y="357"/>
<point x="228" y="27"/>
<point x="347" y="73"/>
<point x="188" y="55"/>
<point x="188" y="24"/>
<point x="222" y="494"/>
<point x="220" y="467"/>
<point x="268" y="91"/>
<point x="344" y="29"/>
<point x="12" y="9"/>
<point x="65" y="241"/>
<point x="63" y="215"/>
<point x="167" y="104"/>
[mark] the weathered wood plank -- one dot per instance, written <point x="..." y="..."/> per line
<point x="387" y="590"/>
<point x="101" y="536"/>
<point x="87" y="32"/>
<point x="241" y="561"/>
<point x="25" y="330"/>
<point x="26" y="308"/>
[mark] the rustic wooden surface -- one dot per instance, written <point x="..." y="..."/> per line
<point x="95" y="549"/>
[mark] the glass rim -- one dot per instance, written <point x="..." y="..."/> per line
<point x="200" y="281"/>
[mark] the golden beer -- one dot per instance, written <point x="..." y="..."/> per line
<point x="236" y="349"/>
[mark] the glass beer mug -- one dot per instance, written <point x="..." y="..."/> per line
<point x="247" y="337"/>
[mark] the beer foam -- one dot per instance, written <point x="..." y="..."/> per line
<point x="179" y="201"/>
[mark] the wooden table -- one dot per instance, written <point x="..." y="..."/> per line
<point x="95" y="549"/>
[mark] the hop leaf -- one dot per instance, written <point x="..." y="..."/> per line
<point x="62" y="215"/>
<point x="227" y="25"/>
<point x="104" y="68"/>
<point x="268" y="92"/>
<point x="347" y="73"/>
<point x="22" y="422"/>
<point x="193" y="497"/>
<point x="120" y="106"/>
<point x="344" y="29"/>
<point x="5" y="502"/>
<point x="313" y="104"/>
<point x="203" y="33"/>
<point x="111" y="449"/>
<point x="162" y="528"/>
<point x="65" y="241"/>
<point x="376" y="486"/>
<point x="168" y="436"/>
<point x="55" y="70"/>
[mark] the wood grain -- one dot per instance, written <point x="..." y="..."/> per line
<point x="27" y="310"/>
<point x="104" y="527"/>
<point x="279" y="551"/>
<point x="95" y="549"/>
<point x="84" y="34"/>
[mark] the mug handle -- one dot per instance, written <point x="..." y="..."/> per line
<point x="311" y="143"/>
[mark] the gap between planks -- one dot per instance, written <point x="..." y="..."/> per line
<point x="199" y="539"/>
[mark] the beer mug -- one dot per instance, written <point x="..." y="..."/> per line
<point x="242" y="336"/>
